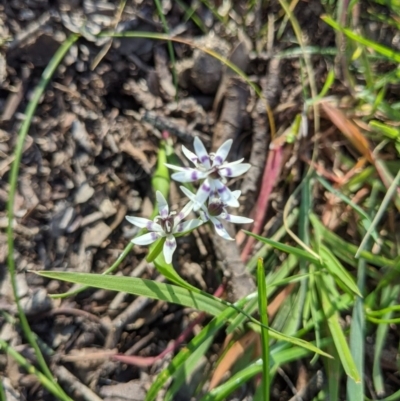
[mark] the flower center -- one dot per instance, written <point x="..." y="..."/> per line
<point x="215" y="207"/>
<point x="166" y="223"/>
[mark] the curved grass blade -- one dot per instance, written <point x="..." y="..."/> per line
<point x="143" y="287"/>
<point x="23" y="131"/>
<point x="51" y="385"/>
<point x="169" y="293"/>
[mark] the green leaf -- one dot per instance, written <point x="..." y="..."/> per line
<point x="169" y="293"/>
<point x="337" y="270"/>
<point x="385" y="51"/>
<point x="170" y="273"/>
<point x="339" y="338"/>
<point x="300" y="253"/>
<point x="145" y="288"/>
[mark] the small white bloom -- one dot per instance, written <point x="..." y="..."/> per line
<point x="214" y="169"/>
<point x="167" y="224"/>
<point x="216" y="211"/>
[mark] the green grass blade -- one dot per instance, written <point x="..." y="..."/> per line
<point x="169" y="44"/>
<point x="51" y="385"/>
<point x="385" y="51"/>
<point x="382" y="209"/>
<point x="346" y="251"/>
<point x="187" y="368"/>
<point x="23" y="131"/>
<point x="207" y="332"/>
<point x="146" y="288"/>
<point x="338" y="336"/>
<point x="169" y="293"/>
<point x="355" y="391"/>
<point x="170" y="273"/>
<point x="337" y="270"/>
<point x="300" y="253"/>
<point x="262" y="306"/>
<point x="389" y="297"/>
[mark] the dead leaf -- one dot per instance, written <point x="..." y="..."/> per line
<point x="349" y="130"/>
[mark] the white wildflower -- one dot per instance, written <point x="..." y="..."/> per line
<point x="167" y="224"/>
<point x="216" y="211"/>
<point x="213" y="168"/>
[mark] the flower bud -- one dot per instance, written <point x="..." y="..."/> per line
<point x="215" y="207"/>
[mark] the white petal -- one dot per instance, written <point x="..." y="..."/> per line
<point x="201" y="152"/>
<point x="238" y="219"/>
<point x="183" y="213"/>
<point x="225" y="194"/>
<point x="237" y="193"/>
<point x="163" y="208"/>
<point x="173" y="167"/>
<point x="220" y="229"/>
<point x="169" y="248"/>
<point x="202" y="194"/>
<point x="195" y="205"/>
<point x="230" y="170"/>
<point x="144" y="223"/>
<point x="138" y="221"/>
<point x="188" y="193"/>
<point x="189" y="175"/>
<point x="222" y="152"/>
<point x="146" y="239"/>
<point x="190" y="155"/>
<point x="233" y="163"/>
<point x="187" y="226"/>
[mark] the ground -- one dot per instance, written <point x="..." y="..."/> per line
<point x="91" y="153"/>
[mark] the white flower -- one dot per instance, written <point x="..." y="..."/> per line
<point x="214" y="169"/>
<point x="216" y="211"/>
<point x="165" y="225"/>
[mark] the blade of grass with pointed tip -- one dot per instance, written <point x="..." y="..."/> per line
<point x="346" y="251"/>
<point x="382" y="209"/>
<point x="169" y="293"/>
<point x="23" y="131"/>
<point x="337" y="270"/>
<point x="278" y="235"/>
<point x="365" y="218"/>
<point x="300" y="253"/>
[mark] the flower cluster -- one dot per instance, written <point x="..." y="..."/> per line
<point x="211" y="200"/>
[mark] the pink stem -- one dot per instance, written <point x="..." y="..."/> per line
<point x="270" y="178"/>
